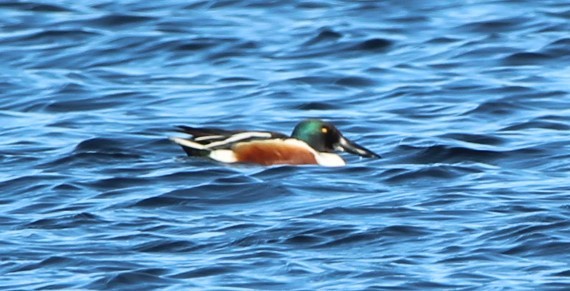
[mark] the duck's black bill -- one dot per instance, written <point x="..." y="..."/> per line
<point x="354" y="148"/>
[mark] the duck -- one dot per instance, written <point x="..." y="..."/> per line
<point x="312" y="142"/>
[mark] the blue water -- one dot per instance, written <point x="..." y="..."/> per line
<point x="467" y="101"/>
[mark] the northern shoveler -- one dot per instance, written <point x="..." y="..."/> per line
<point x="312" y="142"/>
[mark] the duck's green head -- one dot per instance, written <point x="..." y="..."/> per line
<point x="325" y="137"/>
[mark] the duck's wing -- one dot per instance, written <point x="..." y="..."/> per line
<point x="215" y="138"/>
<point x="204" y="131"/>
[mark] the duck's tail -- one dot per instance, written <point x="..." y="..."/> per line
<point x="192" y="149"/>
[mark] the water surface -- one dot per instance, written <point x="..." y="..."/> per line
<point x="468" y="103"/>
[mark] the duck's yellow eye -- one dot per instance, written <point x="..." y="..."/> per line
<point x="324" y="130"/>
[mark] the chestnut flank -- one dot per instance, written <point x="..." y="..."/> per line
<point x="274" y="152"/>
